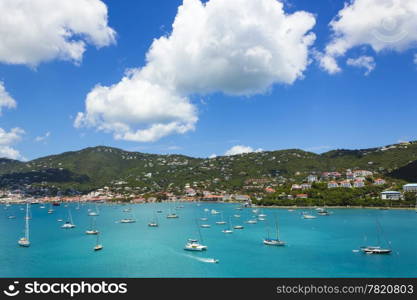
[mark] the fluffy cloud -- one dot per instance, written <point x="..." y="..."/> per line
<point x="240" y="149"/>
<point x="237" y="47"/>
<point x="366" y="62"/>
<point x="9" y="138"/>
<point x="32" y="31"/>
<point x="5" y="99"/>
<point x="390" y="26"/>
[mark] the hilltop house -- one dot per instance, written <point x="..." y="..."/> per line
<point x="345" y="184"/>
<point x="305" y="186"/>
<point x="332" y="185"/>
<point x="362" y="173"/>
<point x="358" y="183"/>
<point x="312" y="178"/>
<point x="302" y="196"/>
<point x="379" y="181"/>
<point x="296" y="187"/>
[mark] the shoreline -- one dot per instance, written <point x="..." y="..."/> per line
<point x="337" y="207"/>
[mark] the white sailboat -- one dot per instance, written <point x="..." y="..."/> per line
<point x="94" y="213"/>
<point x="306" y="215"/>
<point x="229" y="229"/>
<point x="92" y="229"/>
<point x="69" y="224"/>
<point x="24" y="241"/>
<point x="154" y="221"/>
<point x="222" y="221"/>
<point x="50" y="210"/>
<point x="171" y="215"/>
<point x="130" y="219"/>
<point x="98" y="246"/>
<point x="376" y="249"/>
<point x="274" y="241"/>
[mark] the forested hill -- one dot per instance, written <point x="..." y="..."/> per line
<point x="97" y="166"/>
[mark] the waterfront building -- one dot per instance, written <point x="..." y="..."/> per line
<point x="411" y="187"/>
<point x="391" y="195"/>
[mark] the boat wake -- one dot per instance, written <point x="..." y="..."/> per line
<point x="203" y="259"/>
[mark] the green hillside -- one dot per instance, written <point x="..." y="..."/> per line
<point x="99" y="166"/>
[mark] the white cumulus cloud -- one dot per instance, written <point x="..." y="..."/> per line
<point x="240" y="149"/>
<point x="5" y="99"/>
<point x="237" y="47"/>
<point x="363" y="61"/>
<point x="384" y="25"/>
<point x="7" y="139"/>
<point x="33" y="31"/>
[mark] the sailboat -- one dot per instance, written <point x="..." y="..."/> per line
<point x="308" y="216"/>
<point x="24" y="241"/>
<point x="98" y="246"/>
<point x="274" y="241"/>
<point x="92" y="229"/>
<point x="376" y="249"/>
<point x="69" y="224"/>
<point x="229" y="229"/>
<point x="129" y="219"/>
<point x="153" y="222"/>
<point x="50" y="210"/>
<point x="171" y="214"/>
<point x="194" y="245"/>
<point x="94" y="213"/>
<point x="222" y="222"/>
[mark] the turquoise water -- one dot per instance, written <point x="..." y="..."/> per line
<point x="319" y="247"/>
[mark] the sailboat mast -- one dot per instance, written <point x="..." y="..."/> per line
<point x="27" y="222"/>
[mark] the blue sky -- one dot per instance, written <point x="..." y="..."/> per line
<point x="317" y="112"/>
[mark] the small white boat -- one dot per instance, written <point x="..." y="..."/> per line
<point x="291" y="210"/>
<point x="127" y="220"/>
<point x="205" y="225"/>
<point x="238" y="227"/>
<point x="211" y="260"/>
<point x="203" y="219"/>
<point x="172" y="216"/>
<point x="236" y="216"/>
<point x="308" y="216"/>
<point x="214" y="212"/>
<point x="92" y="232"/>
<point x="252" y="221"/>
<point x="375" y="250"/>
<point x="261" y="219"/>
<point x="68" y="225"/>
<point x="11" y="217"/>
<point x="153" y="224"/>
<point x="50" y="211"/>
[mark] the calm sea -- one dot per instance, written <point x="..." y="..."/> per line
<point x="321" y="247"/>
